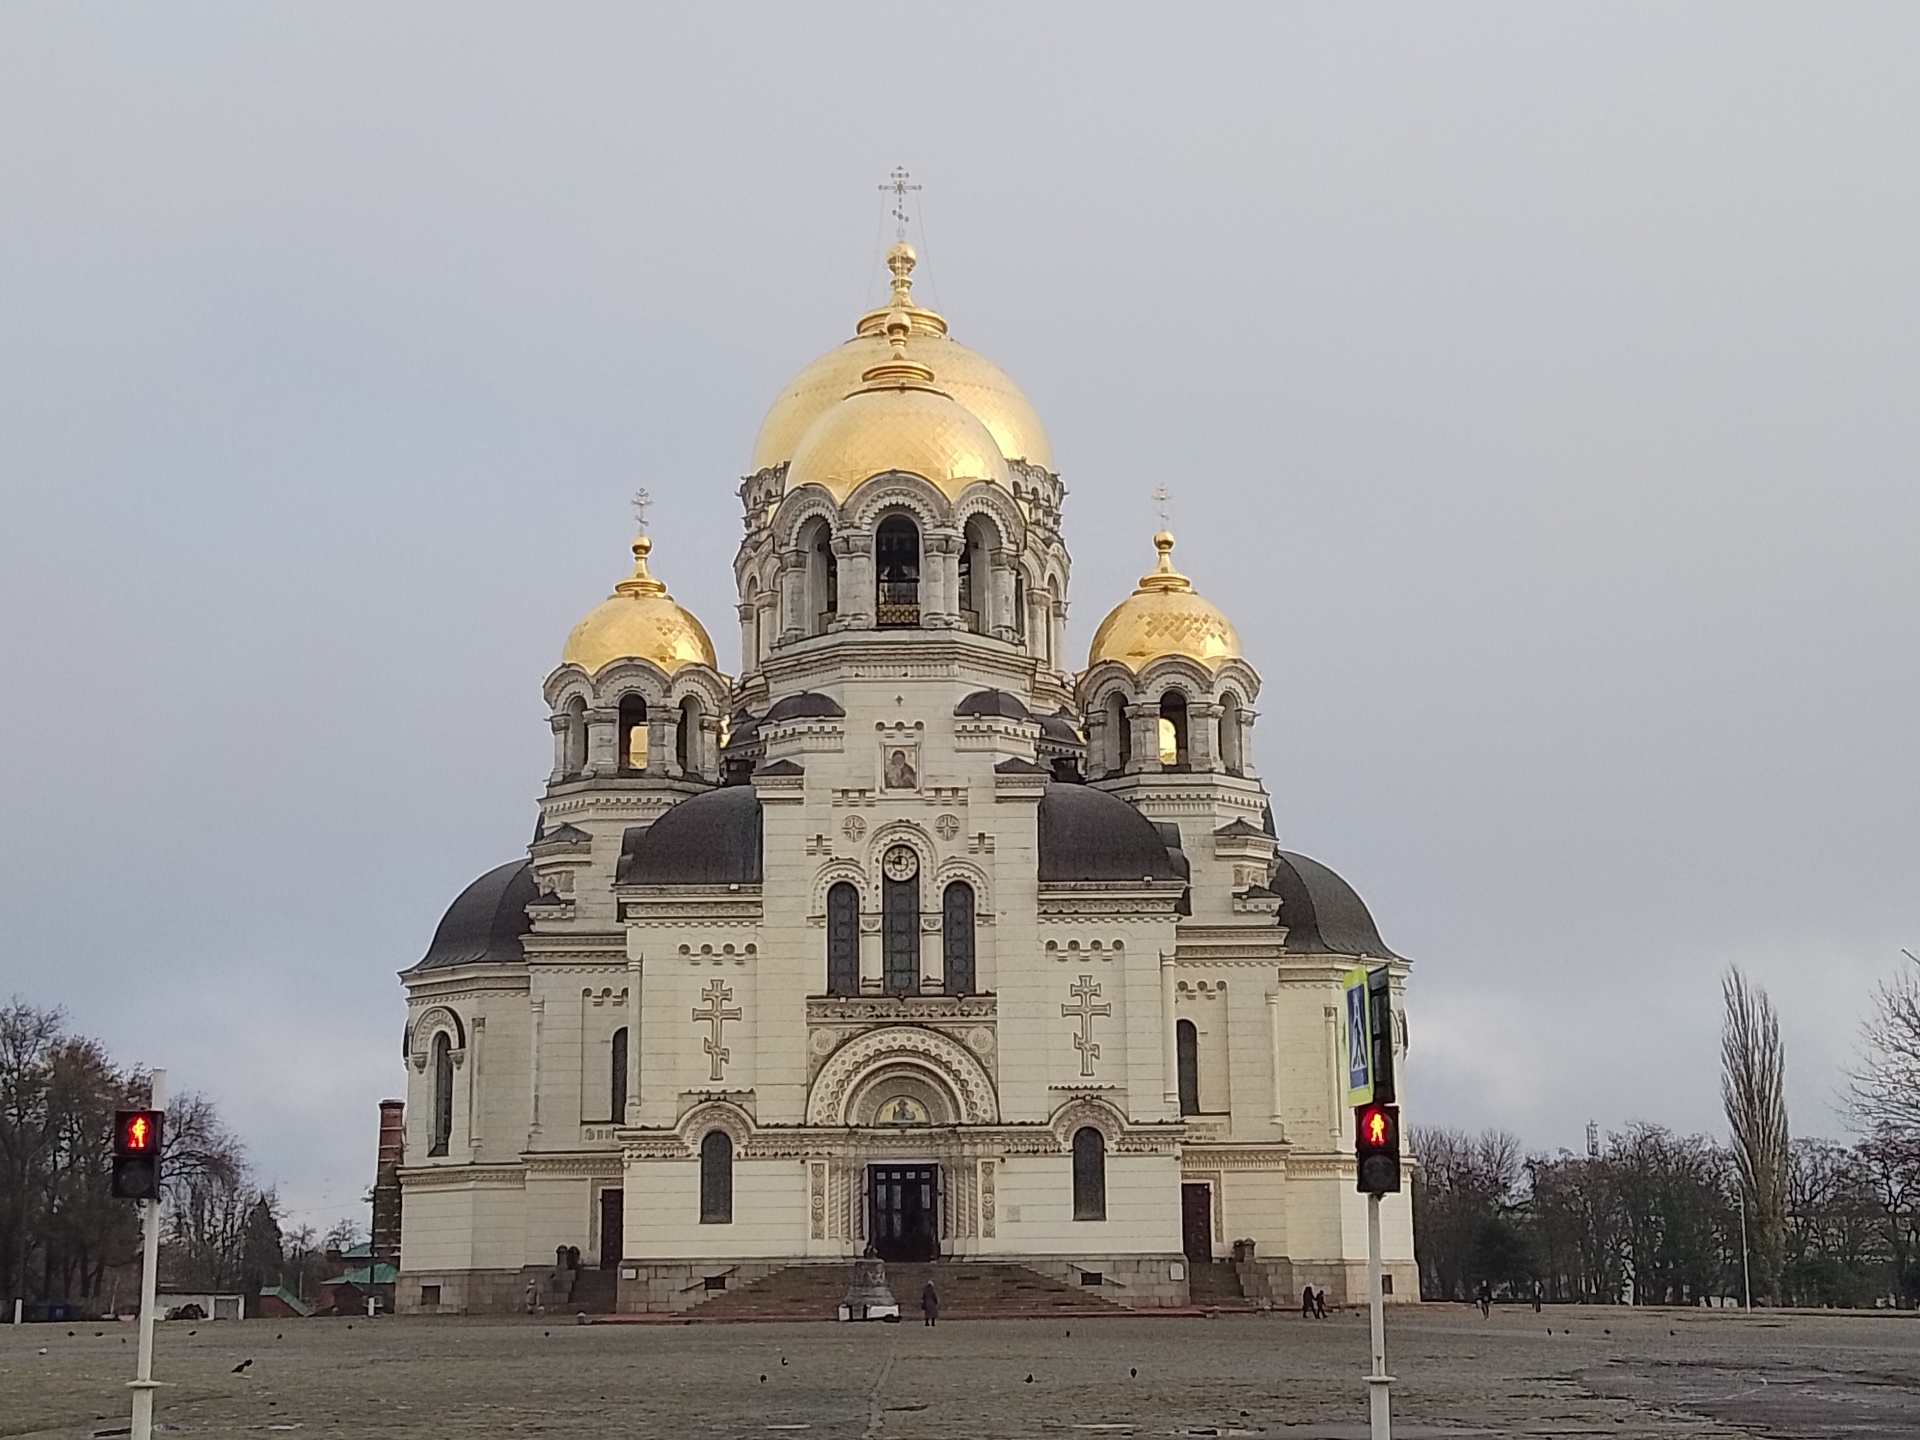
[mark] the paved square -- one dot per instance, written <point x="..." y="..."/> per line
<point x="1619" y="1373"/>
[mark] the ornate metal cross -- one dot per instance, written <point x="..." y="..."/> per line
<point x="1084" y="1012"/>
<point x="642" y="502"/>
<point x="716" y="1014"/>
<point x="897" y="183"/>
<point x="1160" y="497"/>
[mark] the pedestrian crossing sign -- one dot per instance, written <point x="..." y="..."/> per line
<point x="1359" y="1043"/>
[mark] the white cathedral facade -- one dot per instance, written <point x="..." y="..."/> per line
<point x="912" y="938"/>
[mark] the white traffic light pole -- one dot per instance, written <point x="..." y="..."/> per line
<point x="143" y="1382"/>
<point x="1379" y="1383"/>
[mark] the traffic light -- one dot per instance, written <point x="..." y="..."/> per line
<point x="1380" y="1026"/>
<point x="136" y="1154"/>
<point x="1376" y="1149"/>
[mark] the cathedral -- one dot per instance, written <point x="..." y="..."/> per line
<point x="913" y="938"/>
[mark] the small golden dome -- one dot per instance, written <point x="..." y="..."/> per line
<point x="1164" y="617"/>
<point x="969" y="378"/>
<point x="898" y="420"/>
<point x="639" y="621"/>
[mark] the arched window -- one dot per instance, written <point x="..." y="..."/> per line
<point x="1187" y="1052"/>
<point x="1020" y="607"/>
<point x="716" y="1178"/>
<point x="633" y="734"/>
<point x="442" y="1094"/>
<point x="1119" y="735"/>
<point x="820" y="602"/>
<point x="900" y="921"/>
<point x="617" y="1086"/>
<point x="956" y="938"/>
<point x="976" y="550"/>
<point x="1089" y="1174"/>
<point x="1173" y="730"/>
<point x="576" y="758"/>
<point x="1230" y="753"/>
<point x="843" y="940"/>
<point x="686" y="738"/>
<point x="896" y="559"/>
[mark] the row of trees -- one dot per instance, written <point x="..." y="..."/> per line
<point x="1651" y="1217"/>
<point x="63" y="1238"/>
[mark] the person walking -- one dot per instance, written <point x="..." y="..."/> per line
<point x="1536" y="1297"/>
<point x="930" y="1303"/>
<point x="1306" y="1303"/>
<point x="1486" y="1299"/>
<point x="1320" y="1303"/>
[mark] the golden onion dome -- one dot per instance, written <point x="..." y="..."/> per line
<point x="639" y="621"/>
<point x="1164" y="617"/>
<point x="969" y="378"/>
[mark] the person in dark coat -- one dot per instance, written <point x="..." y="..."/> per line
<point x="1306" y="1303"/>
<point x="930" y="1303"/>
<point x="1320" y="1303"/>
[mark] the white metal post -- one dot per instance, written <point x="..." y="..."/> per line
<point x="1379" y="1382"/>
<point x="1746" y="1274"/>
<point x="143" y="1382"/>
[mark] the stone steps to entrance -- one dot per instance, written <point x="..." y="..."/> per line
<point x="969" y="1290"/>
<point x="1214" y="1283"/>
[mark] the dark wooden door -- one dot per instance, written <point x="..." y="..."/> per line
<point x="903" y="1211"/>
<point x="1196" y="1223"/>
<point x="613" y="1227"/>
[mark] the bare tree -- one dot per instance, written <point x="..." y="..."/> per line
<point x="1753" y="1089"/>
<point x="1885" y="1084"/>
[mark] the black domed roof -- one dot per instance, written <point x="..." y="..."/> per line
<point x="1322" y="913"/>
<point x="1003" y="703"/>
<point x="807" y="705"/>
<point x="485" y="923"/>
<point x="710" y="839"/>
<point x="1087" y="834"/>
<point x="1060" y="727"/>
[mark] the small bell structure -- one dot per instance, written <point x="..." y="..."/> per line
<point x="868" y="1297"/>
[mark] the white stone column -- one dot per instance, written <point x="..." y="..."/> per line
<point x="1203" y="721"/>
<point x="1169" y="1035"/>
<point x="634" y="979"/>
<point x="1277" y="1115"/>
<point x="872" y="974"/>
<point x="749" y="613"/>
<point x="660" y="747"/>
<point x="1145" y="721"/>
<point x="854" y="551"/>
<point x="940" y="580"/>
<point x="1334" y="1075"/>
<point x="538" y="1007"/>
<point x="603" y="742"/>
<point x="560" y="726"/>
<point x="793" y="596"/>
<point x="475" y="1107"/>
<point x="1001" y="624"/>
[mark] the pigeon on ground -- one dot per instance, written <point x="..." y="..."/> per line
<point x="241" y="1368"/>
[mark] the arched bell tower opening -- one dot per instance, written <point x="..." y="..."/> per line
<point x="896" y="558"/>
<point x="632" y="735"/>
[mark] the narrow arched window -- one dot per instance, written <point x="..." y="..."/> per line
<point x="686" y="737"/>
<point x="1230" y="738"/>
<point x="1119" y="734"/>
<point x="900" y="921"/>
<point x="576" y="759"/>
<point x="1020" y="607"/>
<point x="716" y="1178"/>
<point x="1173" y="730"/>
<point x="1187" y="1054"/>
<point x="896" y="560"/>
<point x="633" y="734"/>
<point x="1089" y="1174"/>
<point x="617" y="1079"/>
<point x="956" y="938"/>
<point x="843" y="940"/>
<point x="442" y="1130"/>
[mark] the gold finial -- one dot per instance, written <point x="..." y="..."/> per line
<point x="897" y="372"/>
<point x="1164" y="576"/>
<point x="640" y="582"/>
<point x="900" y="260"/>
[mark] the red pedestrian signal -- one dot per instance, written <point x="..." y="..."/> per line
<point x="136" y="1154"/>
<point x="1376" y="1149"/>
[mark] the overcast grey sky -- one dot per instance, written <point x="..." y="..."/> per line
<point x="1537" y="386"/>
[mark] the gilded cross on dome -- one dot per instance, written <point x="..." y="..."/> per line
<point x="897" y="183"/>
<point x="642" y="502"/>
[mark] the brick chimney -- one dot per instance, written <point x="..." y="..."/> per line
<point x="386" y="1182"/>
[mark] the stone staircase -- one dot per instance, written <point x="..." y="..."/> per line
<point x="1215" y="1285"/>
<point x="594" y="1292"/>
<point x="969" y="1289"/>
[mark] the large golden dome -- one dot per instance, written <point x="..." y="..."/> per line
<point x="1164" y="617"/>
<point x="896" y="427"/>
<point x="639" y="621"/>
<point x="969" y="378"/>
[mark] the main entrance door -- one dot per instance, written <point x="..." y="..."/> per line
<point x="902" y="1211"/>
<point x="613" y="1227"/>
<point x="1196" y="1223"/>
